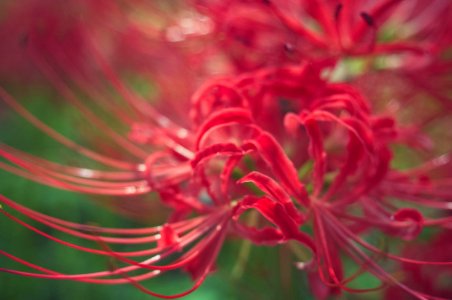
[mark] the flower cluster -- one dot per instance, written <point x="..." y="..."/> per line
<point x="278" y="122"/>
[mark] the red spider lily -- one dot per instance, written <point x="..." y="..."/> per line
<point x="365" y="191"/>
<point x="63" y="42"/>
<point x="134" y="179"/>
<point x="271" y="32"/>
<point x="230" y="123"/>
<point x="420" y="100"/>
<point x="47" y="27"/>
<point x="286" y="141"/>
<point x="429" y="280"/>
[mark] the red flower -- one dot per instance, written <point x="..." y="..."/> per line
<point x="307" y="152"/>
<point x="260" y="33"/>
<point x="429" y="280"/>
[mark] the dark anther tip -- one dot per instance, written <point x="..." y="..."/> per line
<point x="338" y="10"/>
<point x="368" y="19"/>
<point x="288" y="47"/>
<point x="23" y="41"/>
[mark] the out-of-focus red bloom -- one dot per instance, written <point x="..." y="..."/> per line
<point x="43" y="37"/>
<point x="430" y="280"/>
<point x="50" y="29"/>
<point x="271" y="32"/>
